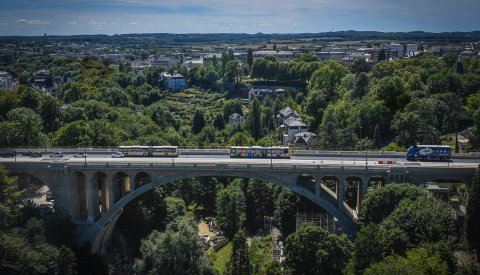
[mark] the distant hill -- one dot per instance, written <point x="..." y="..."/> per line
<point x="233" y="38"/>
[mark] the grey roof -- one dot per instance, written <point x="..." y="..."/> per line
<point x="294" y="123"/>
<point x="288" y="111"/>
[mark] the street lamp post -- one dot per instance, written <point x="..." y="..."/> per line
<point x="271" y="151"/>
<point x="85" y="155"/>
<point x="366" y="159"/>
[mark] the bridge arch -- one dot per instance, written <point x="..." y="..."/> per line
<point x="121" y="185"/>
<point x="79" y="183"/>
<point x="141" y="178"/>
<point x="34" y="186"/>
<point x="99" y="232"/>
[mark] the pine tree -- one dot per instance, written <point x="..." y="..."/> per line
<point x="472" y="219"/>
<point x="254" y="119"/>
<point x="250" y="58"/>
<point x="239" y="261"/>
<point x="9" y="200"/>
<point x="198" y="122"/>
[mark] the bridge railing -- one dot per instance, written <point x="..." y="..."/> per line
<point x="224" y="166"/>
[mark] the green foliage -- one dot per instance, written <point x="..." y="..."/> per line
<point x="176" y="251"/>
<point x="28" y="127"/>
<point x="77" y="133"/>
<point x="472" y="218"/>
<point x="285" y="211"/>
<point x="312" y="250"/>
<point x="260" y="254"/>
<point x="230" y="208"/>
<point x="239" y="262"/>
<point x="241" y="139"/>
<point x="198" y="122"/>
<point x="253" y="119"/>
<point x="393" y="147"/>
<point x="424" y="220"/>
<point x="417" y="261"/>
<point x="378" y="204"/>
<point x="9" y="200"/>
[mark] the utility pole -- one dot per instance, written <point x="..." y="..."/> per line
<point x="366" y="159"/>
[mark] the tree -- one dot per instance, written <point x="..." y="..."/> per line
<point x="327" y="78"/>
<point x="424" y="220"/>
<point x="51" y="114"/>
<point x="28" y="126"/>
<point x="249" y="58"/>
<point x="219" y="122"/>
<point x="241" y="139"/>
<point x="230" y="206"/>
<point x="77" y="133"/>
<point x="178" y="250"/>
<point x="254" y="119"/>
<point x="239" y="262"/>
<point x="378" y="204"/>
<point x="285" y="211"/>
<point x="382" y="55"/>
<point x="472" y="218"/>
<point x="313" y="250"/>
<point x="198" y="122"/>
<point x="361" y="85"/>
<point x="417" y="261"/>
<point x="232" y="71"/>
<point x="9" y="200"/>
<point x="175" y="208"/>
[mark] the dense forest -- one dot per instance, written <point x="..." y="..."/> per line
<point x="392" y="105"/>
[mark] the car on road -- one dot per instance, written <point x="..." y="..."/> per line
<point x="27" y="154"/>
<point x="35" y="154"/>
<point x="7" y="154"/>
<point x="56" y="155"/>
<point x="80" y="155"/>
<point x="118" y="155"/>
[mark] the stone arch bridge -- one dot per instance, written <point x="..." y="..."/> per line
<point x="94" y="194"/>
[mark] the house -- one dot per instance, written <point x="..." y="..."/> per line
<point x="7" y="81"/>
<point x="235" y="118"/>
<point x="259" y="93"/>
<point x="163" y="61"/>
<point x="173" y="82"/>
<point x="279" y="55"/>
<point x="45" y="82"/>
<point x="285" y="114"/>
<point x="208" y="59"/>
<point x="305" y="139"/>
<point x="189" y="64"/>
<point x="291" y="127"/>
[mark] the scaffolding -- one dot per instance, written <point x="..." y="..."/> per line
<point x="324" y="221"/>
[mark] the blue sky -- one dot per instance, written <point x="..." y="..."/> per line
<point x="35" y="17"/>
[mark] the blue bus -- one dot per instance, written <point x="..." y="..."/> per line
<point x="429" y="152"/>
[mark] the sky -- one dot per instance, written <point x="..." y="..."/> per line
<point x="69" y="17"/>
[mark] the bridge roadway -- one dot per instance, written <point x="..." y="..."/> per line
<point x="75" y="182"/>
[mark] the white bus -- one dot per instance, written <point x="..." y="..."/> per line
<point x="149" y="151"/>
<point x="259" y="152"/>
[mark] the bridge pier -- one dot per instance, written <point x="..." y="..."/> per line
<point x="92" y="197"/>
<point x="340" y="191"/>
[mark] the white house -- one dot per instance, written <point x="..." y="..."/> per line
<point x="174" y="83"/>
<point x="6" y="81"/>
<point x="235" y="118"/>
<point x="291" y="127"/>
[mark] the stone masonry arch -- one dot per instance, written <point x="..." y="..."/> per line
<point x="100" y="231"/>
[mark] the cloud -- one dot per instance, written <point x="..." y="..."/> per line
<point x="134" y="23"/>
<point x="72" y="23"/>
<point x="32" y="21"/>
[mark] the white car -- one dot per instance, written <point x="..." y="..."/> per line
<point x="118" y="155"/>
<point x="56" y="155"/>
<point x="80" y="155"/>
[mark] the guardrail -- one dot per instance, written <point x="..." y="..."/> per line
<point x="218" y="149"/>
